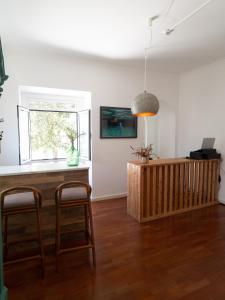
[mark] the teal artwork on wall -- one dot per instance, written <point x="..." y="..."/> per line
<point x="117" y="122"/>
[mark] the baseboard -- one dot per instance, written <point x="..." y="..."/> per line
<point x="108" y="197"/>
<point x="221" y="202"/>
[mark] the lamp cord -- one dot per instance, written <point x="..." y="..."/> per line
<point x="145" y="75"/>
<point x="167" y="12"/>
<point x="151" y="38"/>
<point x="148" y="47"/>
<point x="147" y="64"/>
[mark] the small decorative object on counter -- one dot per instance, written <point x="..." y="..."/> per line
<point x="73" y="155"/>
<point x="144" y="153"/>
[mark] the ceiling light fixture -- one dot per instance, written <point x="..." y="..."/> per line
<point x="146" y="104"/>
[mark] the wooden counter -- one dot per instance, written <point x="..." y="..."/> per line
<point x="165" y="187"/>
<point x="46" y="177"/>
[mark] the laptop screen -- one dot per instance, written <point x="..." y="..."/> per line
<point x="208" y="143"/>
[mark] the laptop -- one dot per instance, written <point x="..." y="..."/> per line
<point x="208" y="143"/>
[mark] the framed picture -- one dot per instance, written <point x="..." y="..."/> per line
<point x="117" y="122"/>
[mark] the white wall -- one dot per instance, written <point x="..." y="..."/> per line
<point x="202" y="111"/>
<point x="162" y="131"/>
<point x="110" y="85"/>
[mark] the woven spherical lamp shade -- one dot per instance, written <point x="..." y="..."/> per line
<point x="145" y="104"/>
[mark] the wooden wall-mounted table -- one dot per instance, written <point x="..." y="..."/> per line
<point x="165" y="187"/>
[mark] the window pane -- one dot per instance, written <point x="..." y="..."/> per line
<point x="84" y="131"/>
<point x="48" y="134"/>
<point x="24" y="139"/>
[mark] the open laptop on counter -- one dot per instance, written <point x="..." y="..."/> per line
<point x="207" y="151"/>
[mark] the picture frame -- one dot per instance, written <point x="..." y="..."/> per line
<point x="117" y="123"/>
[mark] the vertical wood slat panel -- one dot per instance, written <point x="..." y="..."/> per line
<point x="205" y="180"/>
<point x="150" y="191"/>
<point x="200" y="183"/>
<point x="138" y="188"/>
<point x="216" y="180"/>
<point x="134" y="207"/>
<point x="171" y="167"/>
<point x="141" y="180"/>
<point x="148" y="213"/>
<point x="196" y="183"/>
<point x="181" y="190"/>
<point x="191" y="174"/>
<point x="213" y="181"/>
<point x="165" y="197"/>
<point x="176" y="186"/>
<point x="209" y="182"/>
<point x="142" y="192"/>
<point x="154" y="192"/>
<point x="186" y="185"/>
<point x="161" y="190"/>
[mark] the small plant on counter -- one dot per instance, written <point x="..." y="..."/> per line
<point x="72" y="135"/>
<point x="72" y="153"/>
<point x="145" y="153"/>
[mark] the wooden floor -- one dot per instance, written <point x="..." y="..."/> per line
<point x="179" y="257"/>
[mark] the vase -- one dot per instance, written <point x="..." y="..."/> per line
<point x="73" y="156"/>
<point x="144" y="159"/>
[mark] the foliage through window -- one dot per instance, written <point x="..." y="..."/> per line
<point x="44" y="134"/>
<point x="48" y="133"/>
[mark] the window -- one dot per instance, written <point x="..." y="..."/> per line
<point x="43" y="133"/>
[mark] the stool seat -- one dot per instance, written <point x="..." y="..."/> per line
<point x="74" y="193"/>
<point x="19" y="201"/>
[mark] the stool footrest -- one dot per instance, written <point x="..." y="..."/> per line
<point x="8" y="262"/>
<point x="21" y="241"/>
<point x="76" y="248"/>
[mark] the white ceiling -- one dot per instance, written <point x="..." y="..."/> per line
<point x="116" y="29"/>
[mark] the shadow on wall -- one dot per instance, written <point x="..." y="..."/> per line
<point x="162" y="131"/>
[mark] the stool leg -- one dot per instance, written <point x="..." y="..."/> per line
<point x="92" y="234"/>
<point x="57" y="237"/>
<point x="40" y="240"/>
<point x="6" y="236"/>
<point x="87" y="235"/>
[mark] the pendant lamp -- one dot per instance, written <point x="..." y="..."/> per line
<point x="145" y="104"/>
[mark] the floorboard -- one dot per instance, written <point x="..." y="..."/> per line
<point x="179" y="257"/>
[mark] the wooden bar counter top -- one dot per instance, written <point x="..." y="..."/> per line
<point x="164" y="187"/>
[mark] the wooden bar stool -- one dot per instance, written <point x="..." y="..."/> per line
<point x="21" y="200"/>
<point x="74" y="194"/>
